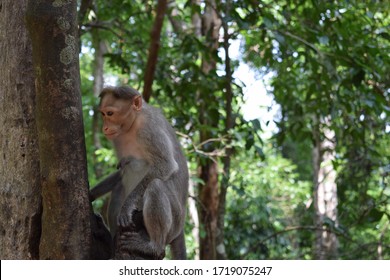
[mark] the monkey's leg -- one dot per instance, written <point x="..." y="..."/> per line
<point x="157" y="214"/>
<point x="133" y="204"/>
<point x="121" y="251"/>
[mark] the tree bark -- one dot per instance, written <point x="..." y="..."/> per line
<point x="325" y="194"/>
<point x="208" y="191"/>
<point x="20" y="193"/>
<point x="196" y="20"/>
<point x="229" y="124"/>
<point x="98" y="83"/>
<point x="66" y="227"/>
<point x="153" y="48"/>
<point x="208" y="212"/>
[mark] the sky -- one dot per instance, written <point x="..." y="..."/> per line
<point x="258" y="104"/>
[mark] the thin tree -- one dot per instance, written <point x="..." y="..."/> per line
<point x="153" y="48"/>
<point x="229" y="124"/>
<point x="325" y="192"/>
<point x="208" y="168"/>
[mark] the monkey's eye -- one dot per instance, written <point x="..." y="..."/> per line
<point x="110" y="113"/>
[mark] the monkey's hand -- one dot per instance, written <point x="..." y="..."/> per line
<point x="125" y="218"/>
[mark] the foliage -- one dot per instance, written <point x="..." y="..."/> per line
<point x="266" y="198"/>
<point x="330" y="59"/>
<point x="327" y="59"/>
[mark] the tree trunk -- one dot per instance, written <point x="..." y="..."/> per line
<point x="208" y="191"/>
<point x="197" y="20"/>
<point x="20" y="193"/>
<point x="98" y="83"/>
<point x="208" y="212"/>
<point x="153" y="48"/>
<point x="325" y="195"/>
<point x="66" y="227"/>
<point x="229" y="124"/>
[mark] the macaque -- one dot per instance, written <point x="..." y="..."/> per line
<point x="152" y="177"/>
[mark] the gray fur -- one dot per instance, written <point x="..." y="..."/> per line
<point x="156" y="185"/>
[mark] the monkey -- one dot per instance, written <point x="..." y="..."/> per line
<point x="152" y="177"/>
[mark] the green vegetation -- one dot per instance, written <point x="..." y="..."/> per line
<point x="329" y="63"/>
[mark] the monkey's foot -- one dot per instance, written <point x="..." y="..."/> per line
<point x="131" y="222"/>
<point x="138" y="243"/>
<point x="125" y="219"/>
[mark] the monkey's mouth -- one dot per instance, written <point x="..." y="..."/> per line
<point x="110" y="135"/>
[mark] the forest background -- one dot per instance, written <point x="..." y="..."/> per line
<point x="316" y="186"/>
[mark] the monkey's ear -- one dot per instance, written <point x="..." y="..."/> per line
<point x="137" y="103"/>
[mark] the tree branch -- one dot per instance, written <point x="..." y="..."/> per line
<point x="153" y="49"/>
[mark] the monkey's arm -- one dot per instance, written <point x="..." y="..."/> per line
<point x="105" y="186"/>
<point x="157" y="211"/>
<point x="161" y="150"/>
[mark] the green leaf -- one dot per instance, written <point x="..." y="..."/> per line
<point x="256" y="124"/>
<point x="385" y="35"/>
<point x="374" y="215"/>
<point x="250" y="141"/>
<point x="260" y="152"/>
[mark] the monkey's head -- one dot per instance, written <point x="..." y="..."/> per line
<point x="119" y="107"/>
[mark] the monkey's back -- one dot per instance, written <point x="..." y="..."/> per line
<point x="180" y="178"/>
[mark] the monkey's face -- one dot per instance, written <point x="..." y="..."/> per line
<point x="118" y="116"/>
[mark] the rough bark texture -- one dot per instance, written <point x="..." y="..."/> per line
<point x="153" y="49"/>
<point x="66" y="228"/>
<point x="20" y="198"/>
